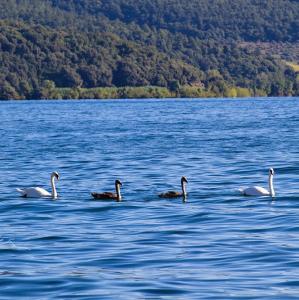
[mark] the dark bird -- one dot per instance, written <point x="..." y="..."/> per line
<point x="109" y="195"/>
<point x="175" y="194"/>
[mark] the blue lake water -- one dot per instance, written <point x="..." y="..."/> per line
<point x="217" y="245"/>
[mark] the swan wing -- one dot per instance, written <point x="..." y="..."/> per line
<point x="34" y="192"/>
<point x="255" y="191"/>
<point x="170" y="194"/>
<point x="103" y="196"/>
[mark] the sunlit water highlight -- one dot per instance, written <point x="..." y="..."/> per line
<point x="217" y="245"/>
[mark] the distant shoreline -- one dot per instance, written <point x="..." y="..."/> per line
<point x="50" y="92"/>
<point x="156" y="99"/>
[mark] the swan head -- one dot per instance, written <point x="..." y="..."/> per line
<point x="117" y="182"/>
<point x="56" y="175"/>
<point x="184" y="179"/>
<point x="271" y="172"/>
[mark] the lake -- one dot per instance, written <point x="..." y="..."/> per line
<point x="216" y="245"/>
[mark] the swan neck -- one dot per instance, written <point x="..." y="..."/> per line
<point x="271" y="187"/>
<point x="184" y="188"/>
<point x="118" y="194"/>
<point x="54" y="192"/>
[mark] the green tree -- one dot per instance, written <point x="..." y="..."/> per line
<point x="174" y="87"/>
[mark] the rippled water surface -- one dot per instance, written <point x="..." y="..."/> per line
<point x="217" y="245"/>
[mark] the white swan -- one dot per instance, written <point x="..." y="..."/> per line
<point x="260" y="191"/>
<point x="37" y="192"/>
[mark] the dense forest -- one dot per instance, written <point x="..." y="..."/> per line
<point x="142" y="48"/>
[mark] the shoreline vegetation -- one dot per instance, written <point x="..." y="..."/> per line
<point x="50" y="92"/>
<point x="145" y="92"/>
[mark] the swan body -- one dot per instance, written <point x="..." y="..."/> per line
<point x="38" y="192"/>
<point x="176" y="194"/>
<point x="171" y="194"/>
<point x="260" y="191"/>
<point x="255" y="191"/>
<point x="109" y="195"/>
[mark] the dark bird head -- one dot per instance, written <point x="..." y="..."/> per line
<point x="184" y="179"/>
<point x="117" y="182"/>
<point x="271" y="171"/>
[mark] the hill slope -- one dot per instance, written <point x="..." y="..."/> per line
<point x="80" y="43"/>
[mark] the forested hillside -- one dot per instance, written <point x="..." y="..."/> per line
<point x="205" y="47"/>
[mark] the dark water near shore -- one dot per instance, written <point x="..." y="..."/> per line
<point x="217" y="245"/>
